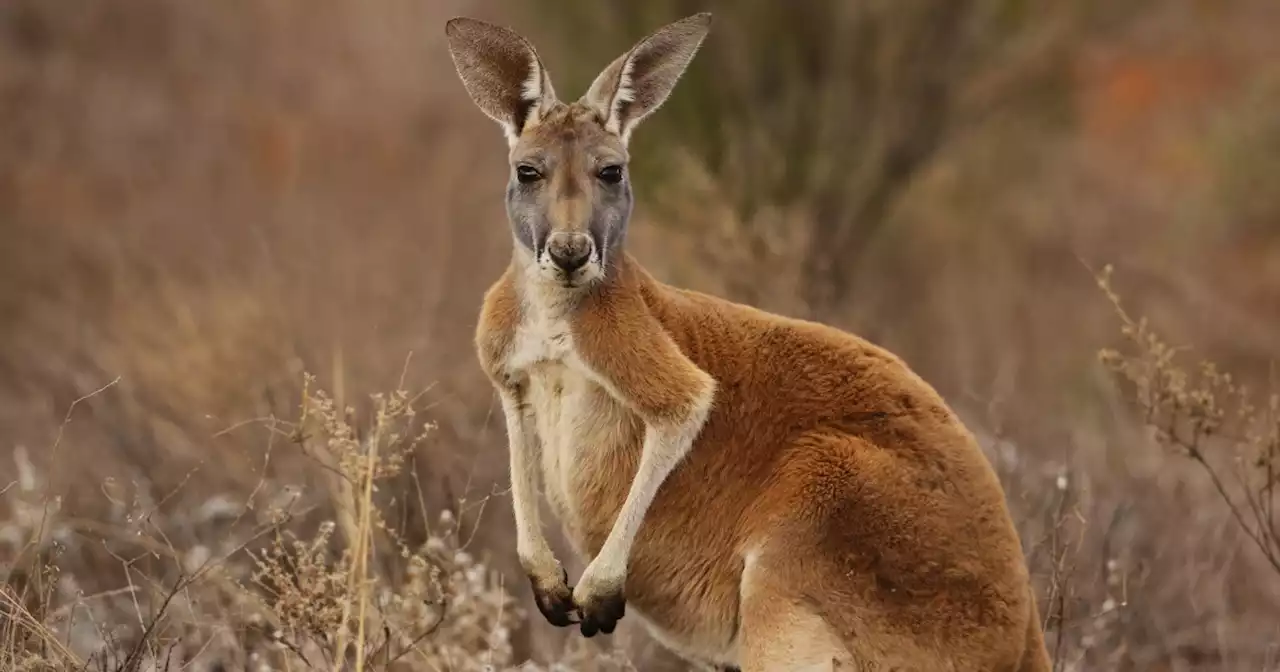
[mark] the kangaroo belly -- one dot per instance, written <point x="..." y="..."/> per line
<point x="590" y="448"/>
<point x="680" y="586"/>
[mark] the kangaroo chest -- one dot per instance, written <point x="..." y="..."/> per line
<point x="590" y="451"/>
<point x="590" y="444"/>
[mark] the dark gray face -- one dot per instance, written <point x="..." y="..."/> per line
<point x="569" y="195"/>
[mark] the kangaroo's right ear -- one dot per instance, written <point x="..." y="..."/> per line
<point x="502" y="73"/>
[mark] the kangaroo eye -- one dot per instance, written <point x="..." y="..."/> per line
<point x="527" y="174"/>
<point x="611" y="174"/>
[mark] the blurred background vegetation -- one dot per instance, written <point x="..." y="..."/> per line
<point x="201" y="201"/>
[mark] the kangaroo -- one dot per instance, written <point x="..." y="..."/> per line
<point x="765" y="493"/>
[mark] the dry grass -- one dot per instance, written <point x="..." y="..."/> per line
<point x="201" y="201"/>
<point x="322" y="580"/>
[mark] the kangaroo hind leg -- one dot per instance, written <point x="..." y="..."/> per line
<point x="781" y="630"/>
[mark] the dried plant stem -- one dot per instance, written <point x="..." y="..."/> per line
<point x="366" y="534"/>
<point x="1196" y="414"/>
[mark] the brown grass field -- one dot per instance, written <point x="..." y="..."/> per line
<point x="243" y="245"/>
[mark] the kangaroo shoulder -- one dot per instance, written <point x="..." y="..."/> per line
<point x="498" y="324"/>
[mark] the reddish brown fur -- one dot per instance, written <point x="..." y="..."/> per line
<point x="768" y="492"/>
<point x="867" y="498"/>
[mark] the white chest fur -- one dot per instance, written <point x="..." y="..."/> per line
<point x="579" y="425"/>
<point x="542" y="338"/>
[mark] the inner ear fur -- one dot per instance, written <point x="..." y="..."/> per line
<point x="501" y="71"/>
<point x="636" y="84"/>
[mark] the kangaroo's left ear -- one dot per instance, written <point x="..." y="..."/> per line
<point x="639" y="81"/>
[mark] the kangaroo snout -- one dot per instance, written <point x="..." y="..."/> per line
<point x="569" y="251"/>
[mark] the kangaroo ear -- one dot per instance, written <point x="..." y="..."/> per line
<point x="639" y="81"/>
<point x="501" y="72"/>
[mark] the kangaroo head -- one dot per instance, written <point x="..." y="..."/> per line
<point x="569" y="194"/>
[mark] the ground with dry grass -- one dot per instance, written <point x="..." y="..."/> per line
<point x="203" y="204"/>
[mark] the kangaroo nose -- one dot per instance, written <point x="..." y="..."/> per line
<point x="569" y="251"/>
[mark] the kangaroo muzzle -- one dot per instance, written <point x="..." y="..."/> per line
<point x="569" y="251"/>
